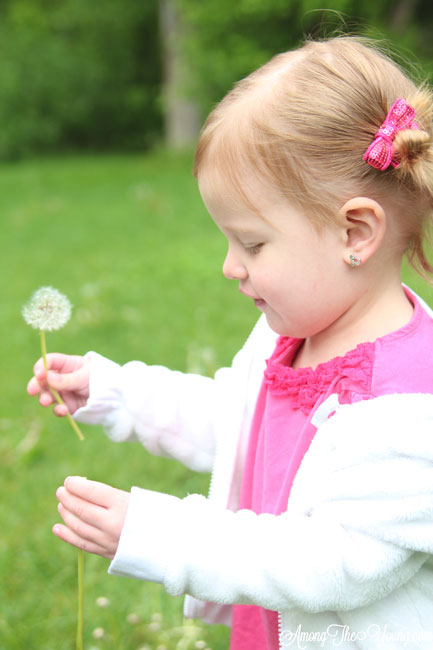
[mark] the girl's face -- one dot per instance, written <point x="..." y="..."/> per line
<point x="292" y="273"/>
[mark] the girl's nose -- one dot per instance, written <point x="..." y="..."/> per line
<point x="233" y="269"/>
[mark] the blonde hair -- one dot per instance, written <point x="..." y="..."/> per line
<point x="303" y="121"/>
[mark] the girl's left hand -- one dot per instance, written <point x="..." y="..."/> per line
<point x="94" y="514"/>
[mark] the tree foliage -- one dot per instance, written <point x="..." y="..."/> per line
<point x="77" y="73"/>
<point x="227" y="39"/>
<point x="86" y="74"/>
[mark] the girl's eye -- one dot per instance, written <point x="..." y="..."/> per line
<point x="253" y="250"/>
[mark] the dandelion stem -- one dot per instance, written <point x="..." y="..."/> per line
<point x="44" y="349"/>
<point x="80" y="614"/>
<point x="56" y="395"/>
<point x="49" y="310"/>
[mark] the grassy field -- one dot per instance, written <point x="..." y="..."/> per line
<point x="127" y="239"/>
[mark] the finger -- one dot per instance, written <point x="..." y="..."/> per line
<point x="46" y="399"/>
<point x="61" y="382"/>
<point x="40" y="374"/>
<point x="55" y="361"/>
<point x="98" y="493"/>
<point x="86" y="511"/>
<point x="82" y="529"/>
<point x="39" y="368"/>
<point x="60" y="410"/>
<point x="67" y="535"/>
<point x="33" y="387"/>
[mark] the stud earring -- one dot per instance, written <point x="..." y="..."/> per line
<point x="355" y="260"/>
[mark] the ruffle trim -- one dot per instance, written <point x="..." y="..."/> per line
<point x="306" y="385"/>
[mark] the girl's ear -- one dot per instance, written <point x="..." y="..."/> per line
<point x="363" y="225"/>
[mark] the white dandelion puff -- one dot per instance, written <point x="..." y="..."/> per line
<point x="102" y="601"/>
<point x="154" y="627"/>
<point x="98" y="633"/>
<point x="47" y="309"/>
<point x="133" y="618"/>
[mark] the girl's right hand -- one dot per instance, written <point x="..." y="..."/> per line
<point x="68" y="375"/>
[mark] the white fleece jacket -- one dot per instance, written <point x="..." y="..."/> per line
<point x="348" y="565"/>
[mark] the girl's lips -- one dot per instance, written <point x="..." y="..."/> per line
<point x="259" y="303"/>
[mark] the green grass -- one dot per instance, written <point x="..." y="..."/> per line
<point x="129" y="242"/>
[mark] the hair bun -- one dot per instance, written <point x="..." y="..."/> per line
<point x="411" y="145"/>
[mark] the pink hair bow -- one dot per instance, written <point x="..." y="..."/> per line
<point x="380" y="153"/>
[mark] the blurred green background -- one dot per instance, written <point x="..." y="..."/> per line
<point x="79" y="75"/>
<point x="100" y="105"/>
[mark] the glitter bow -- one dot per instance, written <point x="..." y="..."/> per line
<point x="380" y="153"/>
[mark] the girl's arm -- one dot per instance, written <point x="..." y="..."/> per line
<point x="358" y="525"/>
<point x="171" y="413"/>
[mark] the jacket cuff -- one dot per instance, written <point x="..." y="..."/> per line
<point x="105" y="406"/>
<point x="145" y="542"/>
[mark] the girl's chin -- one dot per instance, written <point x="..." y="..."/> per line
<point x="277" y="325"/>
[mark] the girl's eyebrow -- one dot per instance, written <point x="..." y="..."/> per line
<point x="242" y="232"/>
<point x="244" y="237"/>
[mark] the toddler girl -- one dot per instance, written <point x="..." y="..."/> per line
<point x="318" y="529"/>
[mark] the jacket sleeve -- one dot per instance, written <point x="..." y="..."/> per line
<point x="358" y="527"/>
<point x="171" y="413"/>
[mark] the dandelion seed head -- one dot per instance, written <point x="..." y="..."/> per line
<point x="47" y="309"/>
<point x="200" y="645"/>
<point x="102" y="601"/>
<point x="98" y="633"/>
<point x="154" y="627"/>
<point x="133" y="618"/>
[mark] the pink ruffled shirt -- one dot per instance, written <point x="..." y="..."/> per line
<point x="281" y="430"/>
